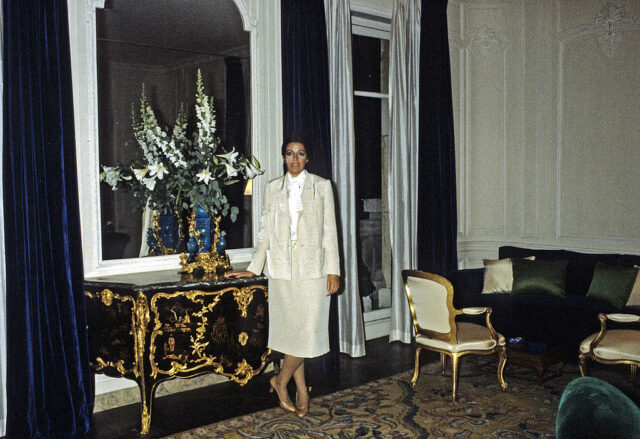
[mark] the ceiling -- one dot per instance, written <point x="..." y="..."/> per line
<point x="163" y="31"/>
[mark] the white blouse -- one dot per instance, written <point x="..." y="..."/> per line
<point x="294" y="189"/>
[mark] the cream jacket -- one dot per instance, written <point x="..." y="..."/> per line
<point x="315" y="253"/>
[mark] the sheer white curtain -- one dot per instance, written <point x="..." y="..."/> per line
<point x="403" y="173"/>
<point x="338" y="19"/>
<point x="3" y="291"/>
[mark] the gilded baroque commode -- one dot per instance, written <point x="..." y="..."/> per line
<point x="151" y="327"/>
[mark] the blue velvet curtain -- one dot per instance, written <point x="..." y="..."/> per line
<point x="305" y="100"/>
<point x="49" y="386"/>
<point x="436" y="164"/>
<point x="305" y="79"/>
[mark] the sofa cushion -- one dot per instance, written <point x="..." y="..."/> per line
<point x="539" y="277"/>
<point x="498" y="275"/>
<point x="580" y="268"/>
<point x="634" y="297"/>
<point x="612" y="284"/>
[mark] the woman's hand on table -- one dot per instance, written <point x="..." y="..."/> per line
<point x="333" y="283"/>
<point x="239" y="274"/>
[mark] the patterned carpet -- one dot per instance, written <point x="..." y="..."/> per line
<point x="390" y="408"/>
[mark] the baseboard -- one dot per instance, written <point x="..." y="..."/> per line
<point x="105" y="384"/>
<point x="377" y="323"/>
<point x="118" y="392"/>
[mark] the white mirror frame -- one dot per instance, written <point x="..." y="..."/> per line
<point x="262" y="19"/>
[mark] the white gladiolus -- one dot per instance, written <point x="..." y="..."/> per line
<point x="111" y="176"/>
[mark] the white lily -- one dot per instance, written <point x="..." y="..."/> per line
<point x="150" y="183"/>
<point x="252" y="170"/>
<point x="158" y="169"/>
<point x="140" y="173"/>
<point x="230" y="156"/>
<point x="231" y="171"/>
<point x="205" y="176"/>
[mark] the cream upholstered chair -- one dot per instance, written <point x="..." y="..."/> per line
<point x="434" y="320"/>
<point x="613" y="346"/>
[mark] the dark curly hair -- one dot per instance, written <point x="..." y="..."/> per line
<point x="295" y="138"/>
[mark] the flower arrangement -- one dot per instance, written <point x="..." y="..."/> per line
<point x="179" y="171"/>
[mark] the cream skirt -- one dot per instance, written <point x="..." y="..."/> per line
<point x="299" y="317"/>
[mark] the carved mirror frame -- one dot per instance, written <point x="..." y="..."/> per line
<point x="261" y="18"/>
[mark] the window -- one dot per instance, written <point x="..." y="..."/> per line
<point x="370" y="58"/>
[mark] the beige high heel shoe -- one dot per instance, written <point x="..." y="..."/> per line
<point x="284" y="404"/>
<point x="302" y="411"/>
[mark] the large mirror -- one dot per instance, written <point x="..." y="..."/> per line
<point x="162" y="44"/>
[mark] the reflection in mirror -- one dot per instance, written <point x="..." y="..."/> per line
<point x="162" y="44"/>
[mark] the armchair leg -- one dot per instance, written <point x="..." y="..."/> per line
<point x="501" y="363"/>
<point x="443" y="363"/>
<point x="454" y="365"/>
<point x="416" y="367"/>
<point x="634" y="370"/>
<point x="582" y="364"/>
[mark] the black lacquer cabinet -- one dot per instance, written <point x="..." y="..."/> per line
<point x="150" y="327"/>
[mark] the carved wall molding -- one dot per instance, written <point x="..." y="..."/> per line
<point x="608" y="25"/>
<point x="611" y="20"/>
<point x="484" y="40"/>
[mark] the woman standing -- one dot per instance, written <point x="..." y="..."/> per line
<point x="298" y="241"/>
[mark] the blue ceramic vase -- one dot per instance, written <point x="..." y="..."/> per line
<point x="203" y="229"/>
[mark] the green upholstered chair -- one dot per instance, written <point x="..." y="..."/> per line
<point x="434" y="320"/>
<point x="591" y="408"/>
<point x="613" y="346"/>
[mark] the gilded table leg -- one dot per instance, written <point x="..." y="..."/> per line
<point x="146" y="400"/>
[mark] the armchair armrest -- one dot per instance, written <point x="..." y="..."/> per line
<point x="623" y="318"/>
<point x="614" y="317"/>
<point x="474" y="310"/>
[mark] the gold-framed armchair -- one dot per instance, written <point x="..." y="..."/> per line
<point x="434" y="320"/>
<point x="612" y="346"/>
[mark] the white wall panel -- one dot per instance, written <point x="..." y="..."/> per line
<point x="547" y="120"/>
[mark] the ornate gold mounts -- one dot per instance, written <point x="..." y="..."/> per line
<point x="161" y="249"/>
<point x="150" y="336"/>
<point x="210" y="262"/>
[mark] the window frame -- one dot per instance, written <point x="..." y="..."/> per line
<point x="261" y="18"/>
<point x="377" y="322"/>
